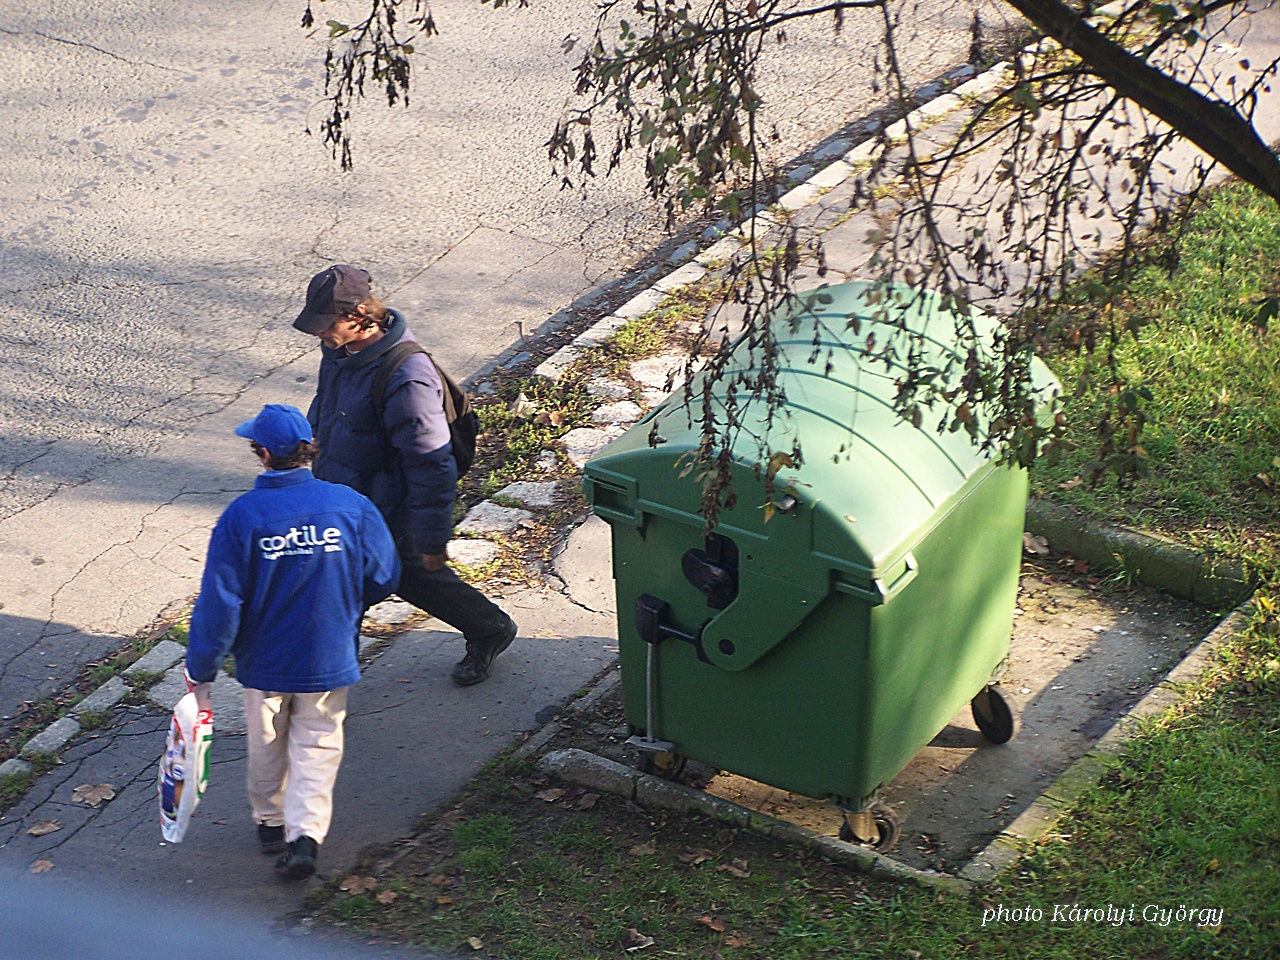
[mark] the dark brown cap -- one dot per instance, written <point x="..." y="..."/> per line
<point x="332" y="293"/>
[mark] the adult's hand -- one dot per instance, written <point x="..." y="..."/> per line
<point x="434" y="562"/>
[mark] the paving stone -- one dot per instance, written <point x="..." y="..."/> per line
<point x="641" y="304"/>
<point x="365" y="643"/>
<point x="472" y="553"/>
<point x="833" y="149"/>
<point x="104" y="698"/>
<point x="531" y="493"/>
<point x="684" y="252"/>
<point x="53" y="737"/>
<point x="678" y="279"/>
<point x="580" y="445"/>
<point x="14" y="767"/>
<point x="488" y="517"/>
<point x="391" y="612"/>
<point x="608" y="389"/>
<point x="659" y="372"/>
<point x="159" y="658"/>
<point x="624" y="411"/>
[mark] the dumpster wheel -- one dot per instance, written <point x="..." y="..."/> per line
<point x="879" y="820"/>
<point x="666" y="764"/>
<point x="992" y="715"/>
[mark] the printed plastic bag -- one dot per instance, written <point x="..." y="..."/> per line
<point x="184" y="767"/>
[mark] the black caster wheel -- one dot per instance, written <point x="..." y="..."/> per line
<point x="992" y="715"/>
<point x="886" y="826"/>
<point x="668" y="764"/>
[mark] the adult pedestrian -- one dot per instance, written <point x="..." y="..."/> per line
<point x="292" y="566"/>
<point x="396" y="448"/>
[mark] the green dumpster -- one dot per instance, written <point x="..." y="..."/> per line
<point x="820" y="648"/>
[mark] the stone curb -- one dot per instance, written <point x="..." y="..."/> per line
<point x="1043" y="815"/>
<point x="61" y="731"/>
<point x="607" y="776"/>
<point x="1156" y="561"/>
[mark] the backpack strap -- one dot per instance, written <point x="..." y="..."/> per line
<point x="392" y="361"/>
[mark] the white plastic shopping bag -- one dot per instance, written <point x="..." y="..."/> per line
<point x="184" y="767"/>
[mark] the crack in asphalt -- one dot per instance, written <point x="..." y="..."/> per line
<point x="90" y="46"/>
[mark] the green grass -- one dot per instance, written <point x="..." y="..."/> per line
<point x="1213" y="439"/>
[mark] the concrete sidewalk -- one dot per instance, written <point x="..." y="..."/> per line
<point x="413" y="740"/>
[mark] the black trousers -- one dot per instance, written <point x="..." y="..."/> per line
<point x="447" y="597"/>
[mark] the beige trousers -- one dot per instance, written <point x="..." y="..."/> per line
<point x="295" y="749"/>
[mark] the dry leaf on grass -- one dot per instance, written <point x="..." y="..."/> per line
<point x="475" y="943"/>
<point x="45" y="827"/>
<point x="634" y="940"/>
<point x="444" y="901"/>
<point x="588" y="801"/>
<point x="695" y="857"/>
<point x="387" y="896"/>
<point x="523" y="408"/>
<point x="40" y="866"/>
<point x="551" y="795"/>
<point x="736" y="941"/>
<point x="93" y="793"/>
<point x="1070" y="484"/>
<point x="643" y="850"/>
<point x="355" y="884"/>
<point x="736" y="869"/>
<point x="553" y="418"/>
<point x="1038" y="546"/>
<point x="439" y="880"/>
<point x="712" y="923"/>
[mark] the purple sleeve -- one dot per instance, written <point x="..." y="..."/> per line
<point x="418" y="430"/>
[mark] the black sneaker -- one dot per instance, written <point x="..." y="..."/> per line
<point x="271" y="839"/>
<point x="474" y="667"/>
<point x="299" y="862"/>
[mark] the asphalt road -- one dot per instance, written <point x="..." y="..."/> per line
<point x="161" y="211"/>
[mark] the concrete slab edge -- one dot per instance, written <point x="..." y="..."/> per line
<point x="1155" y="561"/>
<point x="1043" y="815"/>
<point x="606" y="681"/>
<point x="607" y="776"/>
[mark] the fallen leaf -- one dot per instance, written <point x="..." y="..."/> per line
<point x="444" y="901"/>
<point x="93" y="793"/>
<point x="526" y="523"/>
<point x="553" y="418"/>
<point x="1070" y="484"/>
<point x="41" y="866"/>
<point x="1211" y="866"/>
<point x="736" y="942"/>
<point x="523" y="408"/>
<point x="45" y="827"/>
<point x="634" y="940"/>
<point x="551" y="795"/>
<point x="439" y="880"/>
<point x="1038" y="546"/>
<point x="387" y="896"/>
<point x="588" y="801"/>
<point x="355" y="884"/>
<point x="712" y="923"/>
<point x="475" y="943"/>
<point x="643" y="850"/>
<point x="914" y="955"/>
<point x="1080" y="566"/>
<point x="696" y="857"/>
<point x="736" y="869"/>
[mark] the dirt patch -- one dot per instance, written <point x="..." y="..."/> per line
<point x="1082" y="653"/>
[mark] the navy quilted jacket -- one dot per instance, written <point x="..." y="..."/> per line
<point x="413" y="480"/>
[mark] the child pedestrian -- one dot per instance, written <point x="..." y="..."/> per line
<point x="292" y="566"/>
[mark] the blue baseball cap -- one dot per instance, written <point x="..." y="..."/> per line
<point x="278" y="428"/>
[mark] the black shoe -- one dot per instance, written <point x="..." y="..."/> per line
<point x="271" y="839"/>
<point x="300" y="860"/>
<point x="474" y="667"/>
